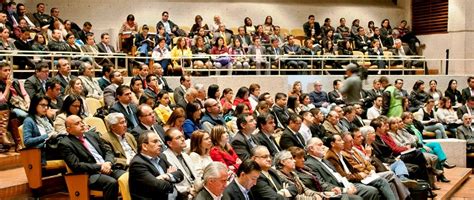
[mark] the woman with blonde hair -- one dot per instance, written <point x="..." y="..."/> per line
<point x="221" y="150"/>
<point x="296" y="89"/>
<point x="199" y="153"/>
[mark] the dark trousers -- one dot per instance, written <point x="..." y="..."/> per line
<point x="417" y="158"/>
<point x="106" y="183"/>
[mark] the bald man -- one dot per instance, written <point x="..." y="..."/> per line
<point x="85" y="152"/>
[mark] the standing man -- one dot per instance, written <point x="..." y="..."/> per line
<point x="392" y="100"/>
<point x="352" y="86"/>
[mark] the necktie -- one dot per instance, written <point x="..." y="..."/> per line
<point x="299" y="139"/>
<point x="132" y="116"/>
<point x="83" y="142"/>
<point x="316" y="182"/>
<point x="272" y="140"/>
<point x="252" y="143"/>
<point x="185" y="166"/>
<point x="156" y="163"/>
<point x="266" y="174"/>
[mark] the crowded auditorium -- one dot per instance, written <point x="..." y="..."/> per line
<point x="236" y="100"/>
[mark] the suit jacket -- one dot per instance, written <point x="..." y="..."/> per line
<point x="466" y="93"/>
<point x="241" y="145"/>
<point x="63" y="81"/>
<point x="464" y="133"/>
<point x="205" y="195"/>
<point x="281" y="116"/>
<point x="265" y="141"/>
<point x="118" y="107"/>
<point x="245" y="38"/>
<point x="33" y="86"/>
<point x="178" y="96"/>
<point x="25" y="46"/>
<point x="361" y="42"/>
<point x="142" y="179"/>
<point x="233" y="192"/>
<point x="79" y="159"/>
<point x="331" y="129"/>
<point x="382" y="151"/>
<point x="463" y="110"/>
<point x="252" y="52"/>
<point x="137" y="131"/>
<point x="162" y="81"/>
<point x="275" y="52"/>
<point x="332" y="157"/>
<point x="31" y="18"/>
<point x="347" y="125"/>
<point x="113" y="141"/>
<point x="334" y="97"/>
<point x="326" y="177"/>
<point x="103" y="83"/>
<point x="188" y="180"/>
<point x="102" y="49"/>
<point x="289" y="139"/>
<point x="227" y="39"/>
<point x="265" y="190"/>
<point x="292" y="48"/>
<point x="109" y="95"/>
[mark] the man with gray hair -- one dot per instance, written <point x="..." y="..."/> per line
<point x="201" y="93"/>
<point x="189" y="97"/>
<point x="215" y="181"/>
<point x="466" y="132"/>
<point x="123" y="144"/>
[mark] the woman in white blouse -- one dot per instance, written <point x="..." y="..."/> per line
<point x="200" y="146"/>
<point x="447" y="115"/>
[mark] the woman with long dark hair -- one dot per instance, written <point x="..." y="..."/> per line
<point x="193" y="117"/>
<point x="72" y="105"/>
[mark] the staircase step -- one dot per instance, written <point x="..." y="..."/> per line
<point x="13" y="183"/>
<point x="10" y="160"/>
<point x="458" y="176"/>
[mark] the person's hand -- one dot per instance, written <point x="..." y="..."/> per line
<point x="165" y="177"/>
<point x="238" y="161"/>
<point x="337" y="190"/>
<point x="325" y="104"/>
<point x="106" y="168"/>
<point x="171" y="169"/>
<point x="427" y="149"/>
<point x="362" y="174"/>
<point x="351" y="190"/>
<point x="408" y="146"/>
<point x="50" y="113"/>
<point x="9" y="82"/>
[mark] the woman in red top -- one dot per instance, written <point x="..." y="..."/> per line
<point x="221" y="150"/>
<point x="242" y="96"/>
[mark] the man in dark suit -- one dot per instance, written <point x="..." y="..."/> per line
<point x="40" y="16"/>
<point x="104" y="46"/>
<point x="276" y="53"/>
<point x="247" y="176"/>
<point x="152" y="90"/>
<point x="469" y="91"/>
<point x="324" y="172"/>
<point x="86" y="28"/>
<point x="151" y="175"/>
<point x="64" y="73"/>
<point x="244" y="141"/>
<point x="312" y="29"/>
<point x="122" y="143"/>
<point x="280" y="110"/>
<point x="335" y="96"/>
<point x="85" y="152"/>
<point x="180" y="91"/>
<point x="143" y="72"/>
<point x="215" y="182"/>
<point x="291" y="137"/>
<point x="467" y="108"/>
<point x="104" y="80"/>
<point x="109" y="91"/>
<point x="147" y="121"/>
<point x="347" y="122"/>
<point x="293" y="49"/>
<point x="266" y="125"/>
<point x="256" y="53"/>
<point x="161" y="80"/>
<point x="125" y="106"/>
<point x="400" y="53"/>
<point x="244" y="38"/>
<point x="33" y="24"/>
<point x="266" y="188"/>
<point x="36" y="83"/>
<point x="362" y="42"/>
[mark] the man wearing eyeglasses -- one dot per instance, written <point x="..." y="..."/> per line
<point x="36" y="83"/>
<point x="85" y="152"/>
<point x="151" y="175"/>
